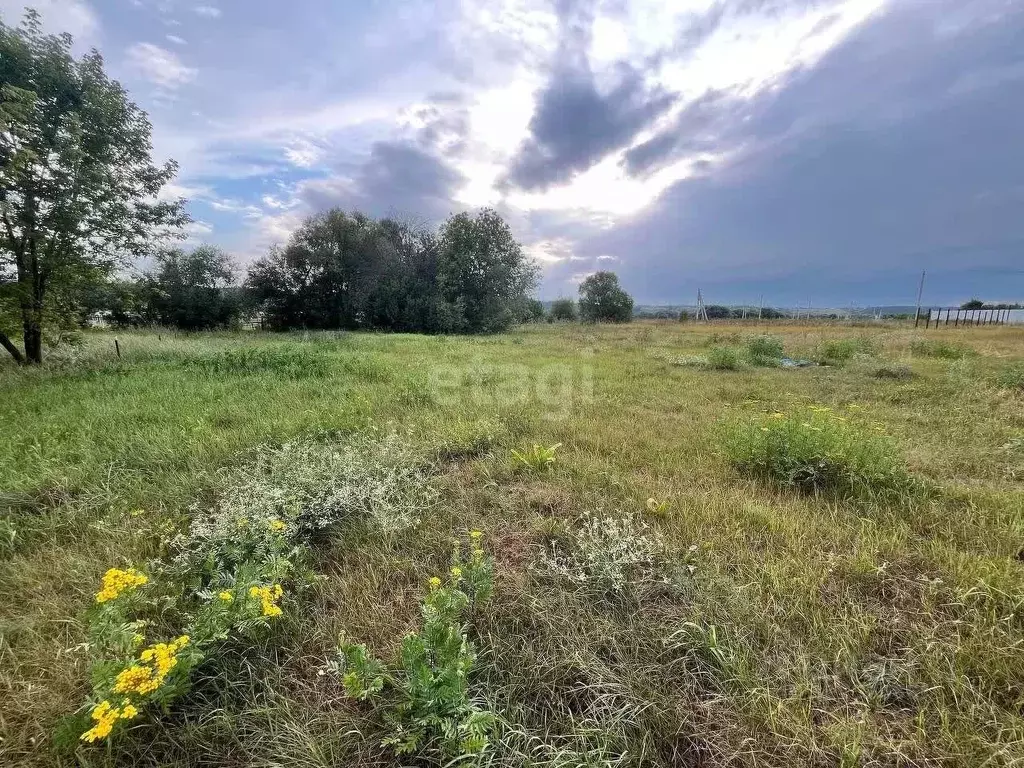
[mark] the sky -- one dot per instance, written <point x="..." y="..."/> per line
<point x="803" y="151"/>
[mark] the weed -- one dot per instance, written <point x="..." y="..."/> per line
<point x="723" y="359"/>
<point x="765" y="351"/>
<point x="895" y="371"/>
<point x="435" y="712"/>
<point x="944" y="350"/>
<point x="842" y="351"/>
<point x="607" y="552"/>
<point x="539" y="458"/>
<point x="1011" y="377"/>
<point x="292" y="361"/>
<point x="819" y="451"/>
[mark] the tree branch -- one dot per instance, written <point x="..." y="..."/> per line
<point x="7" y="344"/>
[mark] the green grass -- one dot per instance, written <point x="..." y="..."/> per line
<point x="732" y="622"/>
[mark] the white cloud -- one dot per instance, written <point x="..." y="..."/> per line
<point x="208" y="11"/>
<point x="75" y="17"/>
<point x="160" y="66"/>
<point x="303" y="153"/>
<point x="177" y="40"/>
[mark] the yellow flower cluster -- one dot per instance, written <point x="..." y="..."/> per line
<point x="226" y="596"/>
<point x="159" y="660"/>
<point x="277" y="525"/>
<point x="456" y="572"/>
<point x="434" y="582"/>
<point x="116" y="581"/>
<point x="478" y="552"/>
<point x="105" y="715"/>
<point x="269" y="597"/>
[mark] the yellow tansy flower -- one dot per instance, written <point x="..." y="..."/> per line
<point x="116" y="581"/>
<point x="277" y="525"/>
<point x="434" y="582"/>
<point x="226" y="596"/>
<point x="456" y="572"/>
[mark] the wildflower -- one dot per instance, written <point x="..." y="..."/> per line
<point x="105" y="715"/>
<point x="277" y="525"/>
<point x="226" y="596"/>
<point x="456" y="572"/>
<point x="475" y="535"/>
<point x="116" y="581"/>
<point x="137" y="512"/>
<point x="129" y="712"/>
<point x="268" y="597"/>
<point x="138" y="639"/>
<point x="434" y="582"/>
<point x="136" y="679"/>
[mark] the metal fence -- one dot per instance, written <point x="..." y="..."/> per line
<point x="957" y="316"/>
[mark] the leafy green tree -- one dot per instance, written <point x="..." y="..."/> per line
<point x="193" y="290"/>
<point x="563" y="310"/>
<point x="483" y="274"/>
<point x="78" y="189"/>
<point x="603" y="300"/>
<point x="533" y="311"/>
<point x="973" y="304"/>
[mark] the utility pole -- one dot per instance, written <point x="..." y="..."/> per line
<point x="702" y="312"/>
<point x="760" y="307"/>
<point x="920" y="292"/>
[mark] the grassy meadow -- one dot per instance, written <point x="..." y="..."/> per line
<point x="723" y="562"/>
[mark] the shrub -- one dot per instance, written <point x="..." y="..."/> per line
<point x="434" y="712"/>
<point x="819" y="452"/>
<point x="723" y="359"/>
<point x="563" y="310"/>
<point x="943" y="350"/>
<point x="765" y="350"/>
<point x="842" y="351"/>
<point x="608" y="552"/>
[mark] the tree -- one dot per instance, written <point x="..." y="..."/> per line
<point x="603" y="300"/>
<point x="193" y="290"/>
<point x="78" y="189"/>
<point x="563" y="310"/>
<point x="533" y="311"/>
<point x="482" y="272"/>
<point x="974" y="303"/>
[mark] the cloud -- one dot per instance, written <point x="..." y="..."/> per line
<point x="75" y="17"/>
<point x="159" y="65"/>
<point x="176" y="40"/>
<point x="209" y="11"/>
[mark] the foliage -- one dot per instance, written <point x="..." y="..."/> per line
<point x="350" y="271"/>
<point x="842" y="351"/>
<point x="819" y="451"/>
<point x="602" y="300"/>
<point x="192" y="290"/>
<point x="1011" y="377"/>
<point x="607" y="552"/>
<point x="723" y="359"/>
<point x="434" y="712"/>
<point x="896" y="371"/>
<point x="765" y="351"/>
<point x="78" y="187"/>
<point x="482" y="272"/>
<point x="563" y="310"/>
<point x="533" y="311"/>
<point x="290" y="361"/>
<point x="539" y="458"/>
<point x="944" y="350"/>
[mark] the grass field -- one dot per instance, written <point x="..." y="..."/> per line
<point x="727" y="563"/>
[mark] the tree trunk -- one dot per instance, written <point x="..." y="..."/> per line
<point x="7" y="344"/>
<point x="32" y="323"/>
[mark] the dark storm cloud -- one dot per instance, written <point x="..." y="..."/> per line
<point x="575" y="123"/>
<point x="900" y="151"/>
<point x="397" y="178"/>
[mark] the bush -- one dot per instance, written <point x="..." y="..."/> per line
<point x="563" y="310"/>
<point x="608" y="552"/>
<point x="842" y="351"/>
<point x="723" y="359"/>
<point x="819" y="452"/>
<point x="943" y="350"/>
<point x="765" y="350"/>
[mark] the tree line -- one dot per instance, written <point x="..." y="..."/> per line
<point x="80" y="202"/>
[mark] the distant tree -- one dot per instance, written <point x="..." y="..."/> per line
<point x="533" y="311"/>
<point x="563" y="310"/>
<point x="116" y="301"/>
<point x="483" y="273"/>
<point x="78" y="189"/>
<point x="684" y="316"/>
<point x="973" y="304"/>
<point x="603" y="300"/>
<point x="193" y="290"/>
<point x="718" y="312"/>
